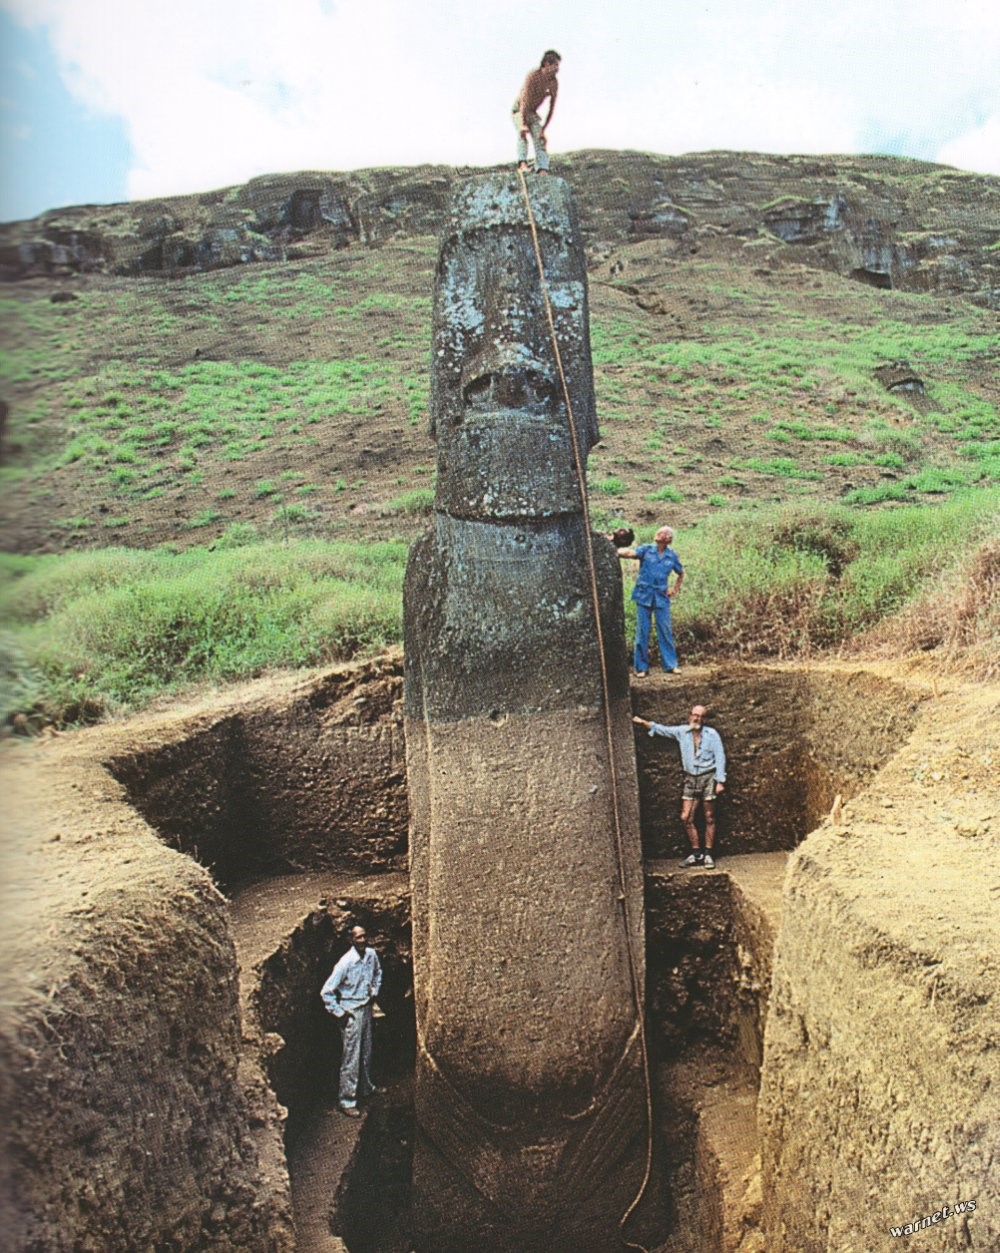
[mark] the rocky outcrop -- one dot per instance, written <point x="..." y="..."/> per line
<point x="885" y="221"/>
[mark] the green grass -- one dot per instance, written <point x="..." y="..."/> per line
<point x="778" y="467"/>
<point x="791" y="370"/>
<point x="294" y="514"/>
<point x="666" y="493"/>
<point x="783" y="581"/>
<point x="140" y="423"/>
<point x="419" y="500"/>
<point x="204" y="517"/>
<point x="110" y="629"/>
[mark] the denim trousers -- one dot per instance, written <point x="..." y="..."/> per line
<point x="356" y="1063"/>
<point x="534" y="125"/>
<point x="664" y="637"/>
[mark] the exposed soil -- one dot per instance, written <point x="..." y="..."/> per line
<point x="126" y="967"/>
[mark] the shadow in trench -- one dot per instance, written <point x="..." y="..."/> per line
<point x="351" y="1178"/>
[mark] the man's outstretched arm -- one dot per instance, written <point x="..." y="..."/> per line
<point x="657" y="728"/>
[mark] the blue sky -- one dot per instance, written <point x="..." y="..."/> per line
<point x="53" y="151"/>
<point x="104" y="100"/>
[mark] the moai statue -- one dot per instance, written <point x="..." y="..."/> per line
<point x="530" y="1098"/>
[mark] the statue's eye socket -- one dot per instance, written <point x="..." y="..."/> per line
<point x="477" y="393"/>
<point x="513" y="389"/>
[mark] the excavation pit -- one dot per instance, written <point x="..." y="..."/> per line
<point x="320" y="784"/>
<point x="294" y="799"/>
<point x="229" y="797"/>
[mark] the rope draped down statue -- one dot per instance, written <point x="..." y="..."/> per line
<point x="531" y="1083"/>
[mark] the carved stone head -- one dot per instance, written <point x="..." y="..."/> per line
<point x="497" y="406"/>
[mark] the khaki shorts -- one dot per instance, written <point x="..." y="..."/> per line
<point x="699" y="787"/>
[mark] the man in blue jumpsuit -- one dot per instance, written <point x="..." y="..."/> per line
<point x="348" y="994"/>
<point x="652" y="593"/>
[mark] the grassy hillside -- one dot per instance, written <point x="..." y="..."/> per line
<point x="293" y="396"/>
<point x="104" y="630"/>
<point x="285" y="402"/>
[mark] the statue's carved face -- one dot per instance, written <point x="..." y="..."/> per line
<point x="497" y="406"/>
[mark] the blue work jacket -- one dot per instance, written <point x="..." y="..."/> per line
<point x="654" y="570"/>
<point x="711" y="756"/>
<point x="354" y="982"/>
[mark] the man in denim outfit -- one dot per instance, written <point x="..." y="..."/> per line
<point x="539" y="86"/>
<point x="652" y="593"/>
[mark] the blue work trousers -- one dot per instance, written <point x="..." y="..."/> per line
<point x="356" y="1063"/>
<point x="664" y="636"/>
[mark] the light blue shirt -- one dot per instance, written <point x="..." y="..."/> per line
<point x="710" y="755"/>
<point x="354" y="982"/>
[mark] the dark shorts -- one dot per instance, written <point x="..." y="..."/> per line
<point x="699" y="787"/>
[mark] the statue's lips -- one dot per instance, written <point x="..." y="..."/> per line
<point x="516" y="422"/>
<point x="526" y="451"/>
<point x="508" y="464"/>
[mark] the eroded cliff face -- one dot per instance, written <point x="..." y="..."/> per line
<point x="885" y="221"/>
<point x="527" y="903"/>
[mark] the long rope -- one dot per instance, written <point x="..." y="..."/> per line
<point x="616" y="809"/>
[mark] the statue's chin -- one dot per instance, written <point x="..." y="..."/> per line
<point x="508" y="467"/>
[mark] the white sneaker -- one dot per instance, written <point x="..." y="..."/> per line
<point x="709" y="862"/>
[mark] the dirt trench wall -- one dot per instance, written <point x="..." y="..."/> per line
<point x="311" y="779"/>
<point x="794" y="740"/>
<point x="315" y="778"/>
<point x="126" y="1123"/>
<point x="283" y="993"/>
<point x="691" y="977"/>
<point x="135" y="1113"/>
<point x="879" y="1103"/>
<point x="709" y="951"/>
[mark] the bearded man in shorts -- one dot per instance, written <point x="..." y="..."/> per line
<point x="703" y="760"/>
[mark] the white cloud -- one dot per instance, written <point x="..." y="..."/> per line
<point x="213" y="94"/>
<point x="977" y="149"/>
